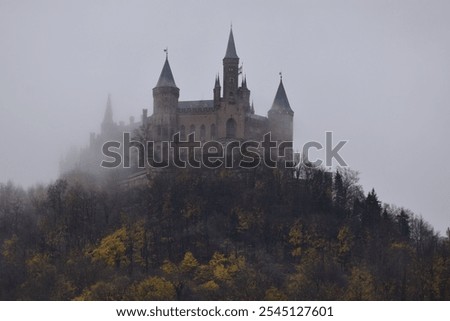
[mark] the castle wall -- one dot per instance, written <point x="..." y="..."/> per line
<point x="229" y="111"/>
<point x="197" y="120"/>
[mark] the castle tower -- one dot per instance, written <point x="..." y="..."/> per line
<point x="230" y="71"/>
<point x="244" y="95"/>
<point x="217" y="89"/>
<point x="108" y="123"/>
<point x="165" y="103"/>
<point x="281" y="116"/>
<point x="166" y="92"/>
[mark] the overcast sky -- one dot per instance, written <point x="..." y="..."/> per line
<point x="376" y="73"/>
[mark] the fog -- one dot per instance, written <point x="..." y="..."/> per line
<point x="375" y="73"/>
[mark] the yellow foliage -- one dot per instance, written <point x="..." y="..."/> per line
<point x="221" y="273"/>
<point x="154" y="288"/>
<point x="224" y="268"/>
<point x="345" y="239"/>
<point x="298" y="284"/>
<point x="169" y="268"/>
<point x="9" y="248"/>
<point x="137" y="234"/>
<point x="274" y="294"/>
<point x="39" y="266"/>
<point x="361" y="285"/>
<point x="210" y="286"/>
<point x="204" y="273"/>
<point x="441" y="279"/>
<point x="189" y="263"/>
<point x="112" y="248"/>
<point x="104" y="291"/>
<point x="296" y="239"/>
<point x="402" y="246"/>
<point x="244" y="219"/>
<point x="217" y="258"/>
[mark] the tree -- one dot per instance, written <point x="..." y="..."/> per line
<point x="340" y="194"/>
<point x="153" y="289"/>
<point x="345" y="245"/>
<point x="112" y="249"/>
<point x="360" y="285"/>
<point x="371" y="214"/>
<point x="403" y="225"/>
<point x="296" y="239"/>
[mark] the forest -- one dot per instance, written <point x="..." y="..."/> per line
<point x="260" y="234"/>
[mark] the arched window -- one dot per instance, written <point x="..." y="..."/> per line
<point x="192" y="129"/>
<point x="231" y="128"/>
<point x="213" y="131"/>
<point x="202" y="132"/>
<point x="183" y="132"/>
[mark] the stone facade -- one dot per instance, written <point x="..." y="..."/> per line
<point x="228" y="115"/>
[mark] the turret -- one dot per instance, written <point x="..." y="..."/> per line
<point x="166" y="92"/>
<point x="245" y="94"/>
<point x="281" y="116"/>
<point x="217" y="92"/>
<point x="230" y="71"/>
<point x="108" y="122"/>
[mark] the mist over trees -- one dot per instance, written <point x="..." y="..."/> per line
<point x="261" y="234"/>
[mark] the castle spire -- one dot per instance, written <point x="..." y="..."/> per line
<point x="231" y="48"/>
<point x="166" y="78"/>
<point x="230" y="71"/>
<point x="281" y="102"/>
<point x="216" y="92"/>
<point x="244" y="82"/>
<point x="108" y="118"/>
<point x="108" y="123"/>
<point x="217" y="83"/>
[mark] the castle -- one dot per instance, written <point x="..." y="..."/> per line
<point x="229" y="115"/>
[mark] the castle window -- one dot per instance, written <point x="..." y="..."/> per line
<point x="231" y="128"/>
<point x="213" y="131"/>
<point x="202" y="132"/>
<point x="192" y="129"/>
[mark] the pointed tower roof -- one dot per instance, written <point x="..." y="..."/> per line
<point x="166" y="78"/>
<point x="217" y="84"/>
<point x="231" y="48"/>
<point x="108" y="112"/>
<point x="244" y="82"/>
<point x="281" y="102"/>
